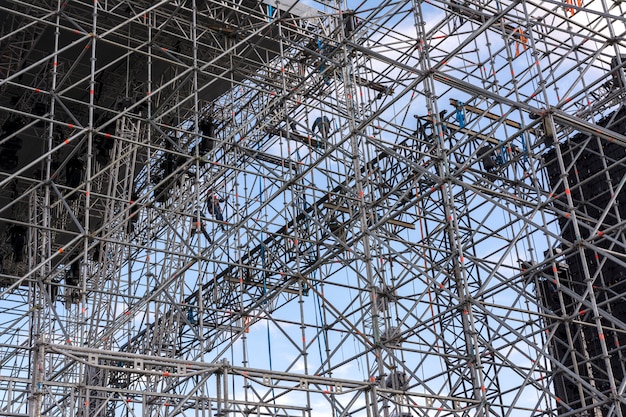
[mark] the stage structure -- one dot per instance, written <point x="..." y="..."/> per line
<point x="217" y="208"/>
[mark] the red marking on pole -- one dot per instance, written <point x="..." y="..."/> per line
<point x="567" y="191"/>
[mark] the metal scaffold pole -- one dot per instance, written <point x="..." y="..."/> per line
<point x="293" y="208"/>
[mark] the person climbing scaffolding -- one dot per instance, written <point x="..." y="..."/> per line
<point x="322" y="125"/>
<point x="18" y="242"/>
<point x="197" y="224"/>
<point x="214" y="209"/>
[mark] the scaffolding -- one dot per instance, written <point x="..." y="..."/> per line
<point x="299" y="208"/>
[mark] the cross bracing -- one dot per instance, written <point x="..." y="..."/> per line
<point x="289" y="208"/>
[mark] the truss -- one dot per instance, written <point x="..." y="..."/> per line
<point x="292" y="208"/>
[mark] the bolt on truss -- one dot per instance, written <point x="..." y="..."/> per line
<point x="289" y="208"/>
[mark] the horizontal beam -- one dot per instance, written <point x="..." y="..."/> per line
<point x="347" y="210"/>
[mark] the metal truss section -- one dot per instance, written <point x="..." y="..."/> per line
<point x="289" y="208"/>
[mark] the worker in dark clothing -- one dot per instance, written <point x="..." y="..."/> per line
<point x="72" y="277"/>
<point x="197" y="224"/>
<point x="213" y="207"/>
<point x="53" y="289"/>
<point x="322" y="124"/>
<point x="207" y="128"/>
<point x="486" y="156"/>
<point x="349" y="22"/>
<point x="18" y="241"/>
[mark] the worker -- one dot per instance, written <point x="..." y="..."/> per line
<point x="337" y="228"/>
<point x="72" y="277"/>
<point x="349" y="22"/>
<point x="197" y="224"/>
<point x="191" y="315"/>
<point x="213" y="207"/>
<point x="322" y="124"/>
<point x="486" y="156"/>
<point x="104" y="143"/>
<point x="18" y="241"/>
<point x="207" y="128"/>
<point x="53" y="289"/>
